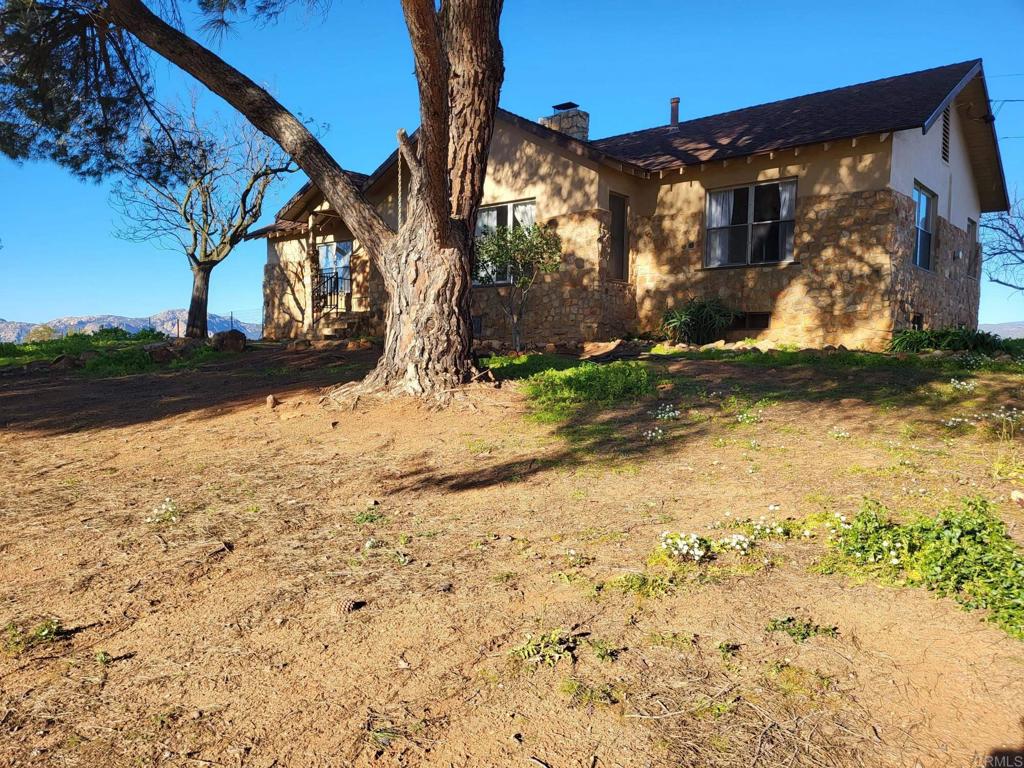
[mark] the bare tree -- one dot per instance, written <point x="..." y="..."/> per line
<point x="197" y="188"/>
<point x="89" y="49"/>
<point x="1003" y="240"/>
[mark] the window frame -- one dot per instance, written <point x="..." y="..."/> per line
<point x="750" y="222"/>
<point x="921" y="192"/>
<point x="509" y="218"/>
<point x="624" y="276"/>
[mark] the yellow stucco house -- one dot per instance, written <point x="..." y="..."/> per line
<point x="831" y="218"/>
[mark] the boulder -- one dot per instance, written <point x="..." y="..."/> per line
<point x="298" y="344"/>
<point x="160" y="352"/>
<point x="228" y="341"/>
<point x="357" y="344"/>
<point x="184" y="345"/>
<point x="64" y="363"/>
<point x="720" y="344"/>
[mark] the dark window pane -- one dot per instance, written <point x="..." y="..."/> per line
<point x="740" y="202"/>
<point x="765" y="243"/>
<point x="767" y="206"/>
<point x="923" y="249"/>
<point x="737" y="248"/>
<point x="758" y="321"/>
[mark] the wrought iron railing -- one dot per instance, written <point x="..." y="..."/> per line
<point x="331" y="290"/>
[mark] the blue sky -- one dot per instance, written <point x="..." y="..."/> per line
<point x="621" y="61"/>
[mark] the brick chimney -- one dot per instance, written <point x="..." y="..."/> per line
<point x="674" y="110"/>
<point x="570" y="120"/>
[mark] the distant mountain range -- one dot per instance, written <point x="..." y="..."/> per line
<point x="170" y="321"/>
<point x="1013" y="330"/>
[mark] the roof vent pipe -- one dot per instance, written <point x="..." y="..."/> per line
<point x="674" y="110"/>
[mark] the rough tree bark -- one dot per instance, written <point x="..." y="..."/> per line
<point x="426" y="264"/>
<point x="196" y="325"/>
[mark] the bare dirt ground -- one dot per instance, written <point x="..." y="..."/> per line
<point x="345" y="587"/>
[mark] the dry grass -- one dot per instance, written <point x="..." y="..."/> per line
<point x="347" y="588"/>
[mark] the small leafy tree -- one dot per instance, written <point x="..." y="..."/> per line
<point x="40" y="333"/>
<point x="512" y="259"/>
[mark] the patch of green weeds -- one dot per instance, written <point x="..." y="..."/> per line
<point x="963" y="552"/>
<point x="557" y="394"/>
<point x="17" y="639"/>
<point x="603" y="650"/>
<point x="368" y="517"/>
<point x="547" y="649"/>
<point x="792" y="680"/>
<point x="728" y="649"/>
<point x="642" y="584"/>
<point x="583" y="694"/>
<point x="801" y="630"/>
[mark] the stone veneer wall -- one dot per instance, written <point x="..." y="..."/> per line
<point x="835" y="291"/>
<point x="574" y="304"/>
<point x="946" y="295"/>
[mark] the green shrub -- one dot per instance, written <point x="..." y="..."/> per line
<point x="558" y="392"/>
<point x="111" y="333"/>
<point x="698" y="321"/>
<point x="957" y="339"/>
<point x="964" y="553"/>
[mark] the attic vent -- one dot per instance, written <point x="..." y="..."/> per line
<point x="945" y="134"/>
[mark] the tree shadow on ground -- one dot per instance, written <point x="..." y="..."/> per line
<point x="55" y="403"/>
<point x="704" y="390"/>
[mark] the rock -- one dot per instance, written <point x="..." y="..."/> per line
<point x="272" y="402"/>
<point x="371" y="503"/>
<point x="159" y="352"/>
<point x="185" y="344"/>
<point x="830" y="348"/>
<point x="766" y="345"/>
<point x="64" y="363"/>
<point x="87" y="355"/>
<point x="326" y="344"/>
<point x="720" y="344"/>
<point x="357" y="344"/>
<point x="445" y="586"/>
<point x="810" y="352"/>
<point x="228" y="341"/>
<point x="550" y="349"/>
<point x="298" y="344"/>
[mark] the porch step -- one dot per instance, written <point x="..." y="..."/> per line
<point x="343" y="325"/>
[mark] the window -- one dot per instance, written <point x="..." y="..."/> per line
<point x="751" y="225"/>
<point x="945" y="134"/>
<point x="490" y="217"/>
<point x="336" y="259"/>
<point x="751" y="321"/>
<point x="924" y="226"/>
<point x="619" y="257"/>
<point x="973" y="248"/>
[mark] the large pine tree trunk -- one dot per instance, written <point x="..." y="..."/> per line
<point x="427" y="328"/>
<point x="196" y="327"/>
<point x="425" y="265"/>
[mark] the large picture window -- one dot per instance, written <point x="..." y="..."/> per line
<point x="924" y="226"/>
<point x="490" y="217"/>
<point x="751" y="224"/>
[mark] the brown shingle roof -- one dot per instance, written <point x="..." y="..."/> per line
<point x="891" y="104"/>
